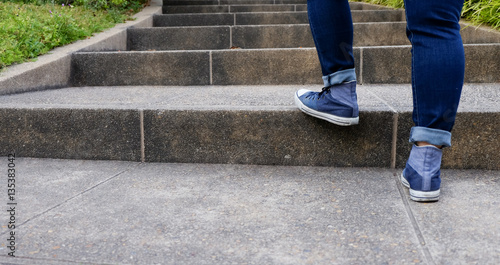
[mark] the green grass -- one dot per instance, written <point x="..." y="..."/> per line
<point x="389" y="3"/>
<point x="483" y="12"/>
<point x="29" y="30"/>
<point x="479" y="12"/>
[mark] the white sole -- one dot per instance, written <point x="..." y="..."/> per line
<point x="324" y="116"/>
<point x="420" y="196"/>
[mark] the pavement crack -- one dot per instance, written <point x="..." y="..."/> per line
<point x="418" y="232"/>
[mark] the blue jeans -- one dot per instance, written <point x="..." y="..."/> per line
<point x="438" y="60"/>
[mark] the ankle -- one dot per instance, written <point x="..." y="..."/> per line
<point x="427" y="144"/>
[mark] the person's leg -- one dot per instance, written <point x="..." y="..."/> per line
<point x="438" y="65"/>
<point x="332" y="30"/>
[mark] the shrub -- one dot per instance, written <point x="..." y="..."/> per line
<point x="29" y="30"/>
<point x="477" y="11"/>
<point x="483" y="11"/>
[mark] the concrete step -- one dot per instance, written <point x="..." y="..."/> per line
<point x="181" y="9"/>
<point x="242" y="124"/>
<point x="189" y="9"/>
<point x="353" y="5"/>
<point x="116" y="212"/>
<point x="260" y="66"/>
<point x="201" y="103"/>
<point x="254" y="37"/>
<point x="231" y="2"/>
<point x="275" y="36"/>
<point x="266" y="18"/>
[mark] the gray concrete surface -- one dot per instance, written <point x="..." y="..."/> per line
<point x="140" y="68"/>
<point x="234" y="8"/>
<point x="231" y="2"/>
<point x="271" y="18"/>
<point x="237" y="124"/>
<point x="374" y="65"/>
<point x="276" y="36"/>
<point x="265" y="8"/>
<point x="182" y="20"/>
<point x="379" y="66"/>
<point x="179" y="38"/>
<point x="97" y="212"/>
<point x="72" y="133"/>
<point x="296" y="17"/>
<point x="353" y="5"/>
<point x="270" y="137"/>
<point x="180" y="9"/>
<point x="265" y="67"/>
<point x="477" y="136"/>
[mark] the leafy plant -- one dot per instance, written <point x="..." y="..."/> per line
<point x="483" y="11"/>
<point x="29" y="30"/>
<point x="477" y="11"/>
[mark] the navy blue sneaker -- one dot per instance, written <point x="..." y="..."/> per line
<point x="422" y="173"/>
<point x="337" y="104"/>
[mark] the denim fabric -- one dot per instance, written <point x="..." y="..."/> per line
<point x="340" y="77"/>
<point x="432" y="136"/>
<point x="438" y="61"/>
<point x="438" y="64"/>
<point x="332" y="30"/>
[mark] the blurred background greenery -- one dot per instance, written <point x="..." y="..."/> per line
<point x="478" y="12"/>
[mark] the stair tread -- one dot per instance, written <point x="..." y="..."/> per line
<point x="381" y="97"/>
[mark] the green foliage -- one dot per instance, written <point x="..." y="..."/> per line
<point x="28" y="30"/>
<point x="389" y="3"/>
<point x="120" y="5"/>
<point x="483" y="11"/>
<point x="477" y="11"/>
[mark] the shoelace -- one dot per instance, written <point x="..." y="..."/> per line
<point x="320" y="94"/>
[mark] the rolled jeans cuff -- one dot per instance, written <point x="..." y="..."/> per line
<point x="339" y="77"/>
<point x="432" y="136"/>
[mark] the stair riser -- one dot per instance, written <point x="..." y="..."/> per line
<point x="252" y="37"/>
<point x="232" y="9"/>
<point x="474" y="141"/>
<point x="71" y="133"/>
<point x="162" y="39"/>
<point x="191" y="3"/>
<point x="286" y="137"/>
<point x="275" y="36"/>
<point x="199" y="137"/>
<point x="230" y="2"/>
<point x="260" y="67"/>
<point x="393" y="65"/>
<point x="208" y="9"/>
<point x="174" y="20"/>
<point x="174" y="68"/>
<point x="266" y="137"/>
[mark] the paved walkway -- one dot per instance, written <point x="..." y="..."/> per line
<point x="111" y="212"/>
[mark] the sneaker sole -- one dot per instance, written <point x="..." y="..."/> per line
<point x="325" y="116"/>
<point x="420" y="196"/>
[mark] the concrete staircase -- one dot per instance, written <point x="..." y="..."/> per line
<point x="213" y="81"/>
